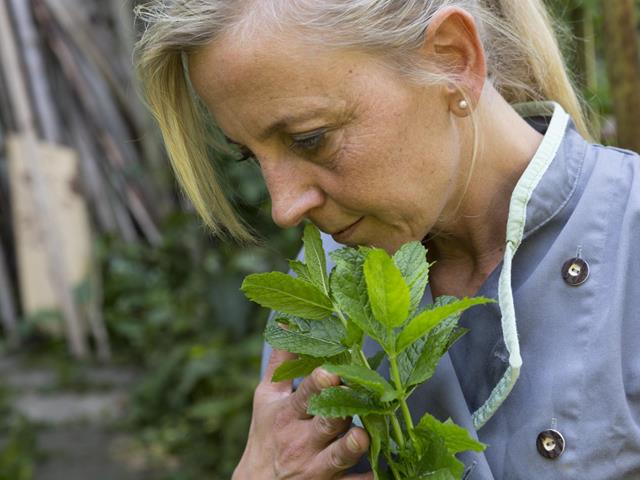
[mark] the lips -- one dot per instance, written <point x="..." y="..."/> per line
<point x="342" y="235"/>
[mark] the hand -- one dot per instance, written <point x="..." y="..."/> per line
<point x="285" y="442"/>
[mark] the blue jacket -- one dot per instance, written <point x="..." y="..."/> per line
<point x="561" y="349"/>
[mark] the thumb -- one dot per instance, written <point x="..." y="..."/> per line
<point x="277" y="358"/>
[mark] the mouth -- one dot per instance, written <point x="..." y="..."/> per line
<point x="344" y="234"/>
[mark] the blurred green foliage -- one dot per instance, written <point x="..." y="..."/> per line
<point x="178" y="312"/>
<point x="17" y="443"/>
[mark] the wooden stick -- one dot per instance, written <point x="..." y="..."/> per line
<point x="53" y="243"/>
<point x="46" y="111"/>
<point x="112" y="148"/>
<point x="94" y="313"/>
<point x="7" y="307"/>
<point x="122" y="91"/>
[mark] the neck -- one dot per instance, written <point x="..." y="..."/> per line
<point x="471" y="234"/>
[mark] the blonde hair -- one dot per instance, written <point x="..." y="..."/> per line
<point x="524" y="63"/>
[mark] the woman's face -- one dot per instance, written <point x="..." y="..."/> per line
<point x="341" y="139"/>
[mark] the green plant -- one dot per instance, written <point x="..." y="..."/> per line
<point x="326" y="318"/>
<point x="17" y="443"/>
<point x="175" y="313"/>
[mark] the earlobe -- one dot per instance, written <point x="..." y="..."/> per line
<point x="459" y="106"/>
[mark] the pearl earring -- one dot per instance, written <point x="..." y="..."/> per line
<point x="463" y="104"/>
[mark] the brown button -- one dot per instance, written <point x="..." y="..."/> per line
<point x="550" y="444"/>
<point x="575" y="271"/>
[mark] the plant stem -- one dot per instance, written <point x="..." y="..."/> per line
<point x="395" y="472"/>
<point x="397" y="430"/>
<point x="395" y="373"/>
<point x="364" y="358"/>
<point x="340" y="316"/>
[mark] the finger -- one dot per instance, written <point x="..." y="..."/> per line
<point x="277" y="358"/>
<point x="325" y="430"/>
<point x="344" y="453"/>
<point x="312" y="384"/>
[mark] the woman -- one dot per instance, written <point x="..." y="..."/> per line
<point x="387" y="121"/>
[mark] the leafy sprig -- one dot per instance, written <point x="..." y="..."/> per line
<point x="324" y="319"/>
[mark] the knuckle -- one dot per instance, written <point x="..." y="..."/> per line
<point x="289" y="456"/>
<point x="281" y="420"/>
<point x="258" y="394"/>
<point x="327" y="427"/>
<point x="299" y="402"/>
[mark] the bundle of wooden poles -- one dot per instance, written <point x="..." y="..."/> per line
<point x="79" y="156"/>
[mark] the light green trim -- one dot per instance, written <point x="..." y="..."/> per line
<point x="515" y="230"/>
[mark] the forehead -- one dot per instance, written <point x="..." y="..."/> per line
<point x="272" y="72"/>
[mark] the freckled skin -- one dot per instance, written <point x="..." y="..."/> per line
<point x="391" y="155"/>
<point x="397" y="154"/>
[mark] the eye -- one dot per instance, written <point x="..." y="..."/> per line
<point x="309" y="142"/>
<point x="242" y="153"/>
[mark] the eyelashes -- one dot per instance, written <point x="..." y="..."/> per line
<point x="306" y="144"/>
<point x="309" y="142"/>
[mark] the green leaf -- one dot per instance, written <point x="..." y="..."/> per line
<point x="378" y="430"/>
<point x="442" y="474"/>
<point x="301" y="343"/>
<point x="418" y="362"/>
<point x="329" y="328"/>
<point x="353" y="336"/>
<point x="375" y="360"/>
<point x="344" y="402"/>
<point x="349" y="290"/>
<point x="422" y="323"/>
<point x="434" y="456"/>
<point x="366" y="378"/>
<point x="300" y="367"/>
<point x="279" y="291"/>
<point x="300" y="270"/>
<point x="456" y="439"/>
<point x="314" y="257"/>
<point x="411" y="259"/>
<point x="388" y="292"/>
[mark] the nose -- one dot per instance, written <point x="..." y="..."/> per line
<point x="293" y="194"/>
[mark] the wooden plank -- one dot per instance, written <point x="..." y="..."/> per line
<point x="69" y="213"/>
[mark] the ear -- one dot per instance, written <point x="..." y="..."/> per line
<point x="453" y="44"/>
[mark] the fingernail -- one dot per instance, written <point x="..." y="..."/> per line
<point x="324" y="378"/>
<point x="353" y="444"/>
